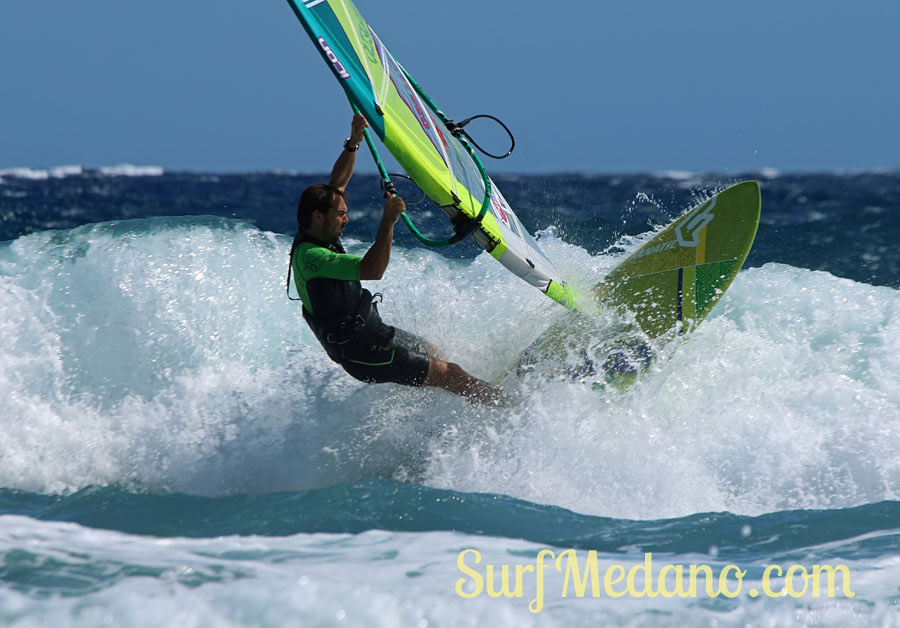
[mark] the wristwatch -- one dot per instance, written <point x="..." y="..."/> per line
<point x="350" y="148"/>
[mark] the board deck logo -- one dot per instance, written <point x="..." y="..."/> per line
<point x="339" y="68"/>
<point x="656" y="248"/>
<point x="688" y="231"/>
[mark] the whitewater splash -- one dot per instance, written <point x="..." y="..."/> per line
<point x="163" y="355"/>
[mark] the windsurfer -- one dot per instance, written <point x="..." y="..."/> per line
<point x="341" y="313"/>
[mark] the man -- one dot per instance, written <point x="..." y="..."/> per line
<point x="341" y="313"/>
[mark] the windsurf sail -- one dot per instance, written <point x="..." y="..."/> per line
<point x="432" y="150"/>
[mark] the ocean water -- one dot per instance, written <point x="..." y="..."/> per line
<point x="175" y="449"/>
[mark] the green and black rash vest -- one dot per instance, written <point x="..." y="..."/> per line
<point x="340" y="312"/>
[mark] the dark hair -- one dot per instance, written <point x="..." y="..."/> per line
<point x="316" y="198"/>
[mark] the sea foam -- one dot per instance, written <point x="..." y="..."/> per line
<point x="163" y="355"/>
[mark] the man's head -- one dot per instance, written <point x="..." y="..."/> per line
<point x="322" y="212"/>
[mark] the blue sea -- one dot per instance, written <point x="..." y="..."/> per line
<point x="176" y="450"/>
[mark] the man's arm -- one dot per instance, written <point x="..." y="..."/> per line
<point x="376" y="259"/>
<point x="343" y="167"/>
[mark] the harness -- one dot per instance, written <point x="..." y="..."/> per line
<point x="347" y="334"/>
<point x="354" y="333"/>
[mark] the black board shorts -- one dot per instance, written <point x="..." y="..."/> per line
<point x="401" y="361"/>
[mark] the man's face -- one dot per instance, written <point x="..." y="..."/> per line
<point x="334" y="221"/>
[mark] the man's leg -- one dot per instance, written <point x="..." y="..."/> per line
<point x="412" y="342"/>
<point x="451" y="377"/>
